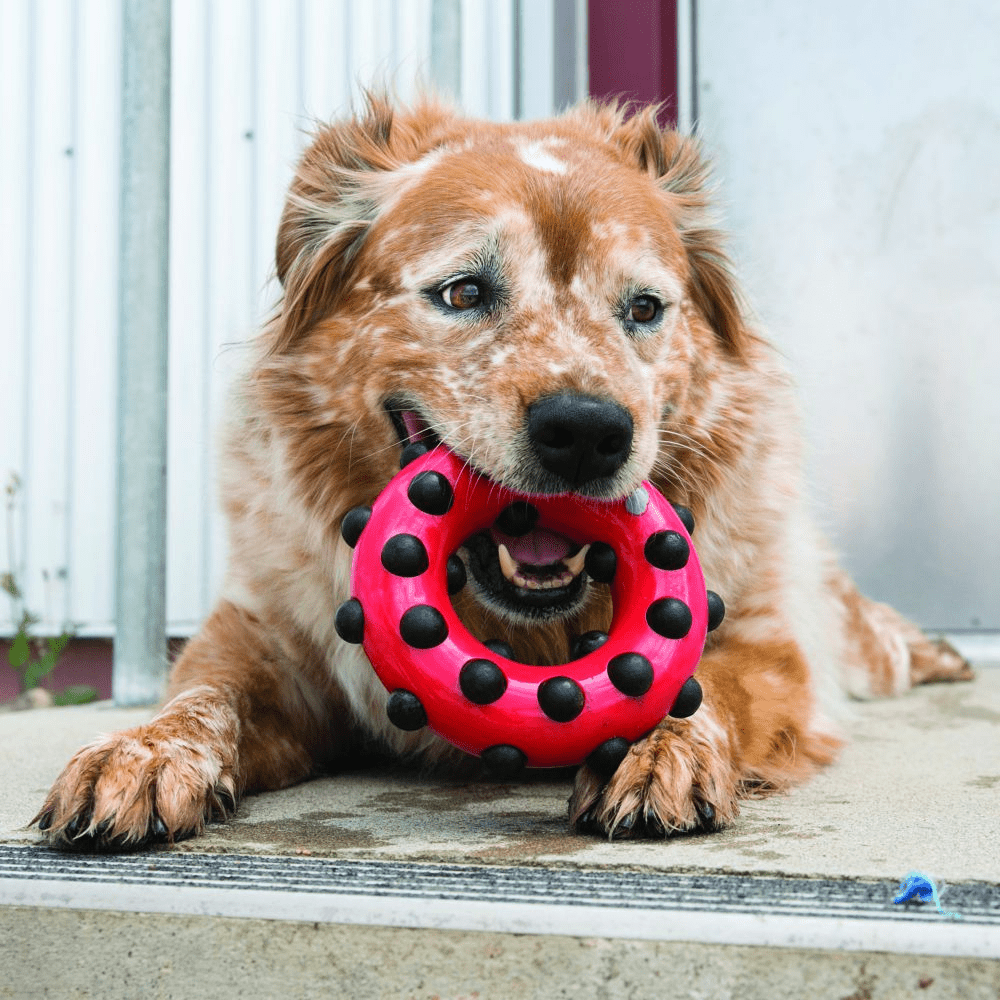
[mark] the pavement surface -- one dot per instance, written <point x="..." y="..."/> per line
<point x="802" y="881"/>
<point x="917" y="787"/>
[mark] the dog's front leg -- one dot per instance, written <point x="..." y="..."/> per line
<point x="752" y="734"/>
<point x="244" y="713"/>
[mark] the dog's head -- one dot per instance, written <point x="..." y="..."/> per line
<point x="546" y="299"/>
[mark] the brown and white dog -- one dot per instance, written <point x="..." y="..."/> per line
<point x="448" y="279"/>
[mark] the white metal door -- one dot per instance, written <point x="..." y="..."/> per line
<point x="858" y="147"/>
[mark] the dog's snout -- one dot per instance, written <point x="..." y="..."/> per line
<point x="580" y="438"/>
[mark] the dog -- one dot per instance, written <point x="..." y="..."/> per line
<point x="447" y="280"/>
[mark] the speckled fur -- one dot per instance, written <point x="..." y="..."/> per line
<point x="572" y="211"/>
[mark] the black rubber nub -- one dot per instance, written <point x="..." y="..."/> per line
<point x="504" y="760"/>
<point x="350" y="621"/>
<point x="423" y="627"/>
<point x="685" y="516"/>
<point x="669" y="617"/>
<point x="482" y="681"/>
<point x="517" y="519"/>
<point x="561" y="698"/>
<point x="404" y="555"/>
<point x="605" y="759"/>
<point x="501" y="648"/>
<point x="431" y="492"/>
<point x="667" y="550"/>
<point x="413" y="450"/>
<point x="354" y="523"/>
<point x="405" y="711"/>
<point x="631" y="673"/>
<point x="687" y="701"/>
<point x="456" y="574"/>
<point x="601" y="562"/>
<point x="587" y="643"/>
<point x="716" y="610"/>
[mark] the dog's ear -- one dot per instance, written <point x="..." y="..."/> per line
<point x="332" y="202"/>
<point x="681" y="172"/>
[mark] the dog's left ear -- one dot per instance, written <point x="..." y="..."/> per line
<point x="681" y="172"/>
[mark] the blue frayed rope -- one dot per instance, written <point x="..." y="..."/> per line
<point x="918" y="888"/>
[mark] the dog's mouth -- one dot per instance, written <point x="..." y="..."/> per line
<point x="415" y="434"/>
<point x="524" y="569"/>
<point x="520" y="566"/>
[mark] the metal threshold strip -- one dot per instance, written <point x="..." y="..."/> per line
<point x="842" y="914"/>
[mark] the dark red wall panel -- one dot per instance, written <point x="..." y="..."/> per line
<point x="632" y="51"/>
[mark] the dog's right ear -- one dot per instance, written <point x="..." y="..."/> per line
<point x="332" y="202"/>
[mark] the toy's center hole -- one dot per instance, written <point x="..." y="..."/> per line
<point x="526" y="570"/>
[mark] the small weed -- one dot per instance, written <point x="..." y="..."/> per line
<point x="32" y="657"/>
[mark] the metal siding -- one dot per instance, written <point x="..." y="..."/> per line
<point x="188" y="462"/>
<point x="94" y="312"/>
<point x="50" y="282"/>
<point x="232" y="308"/>
<point x="250" y="78"/>
<point x="537" y="82"/>
<point x="16" y="261"/>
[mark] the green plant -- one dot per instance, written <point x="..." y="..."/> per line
<point x="32" y="657"/>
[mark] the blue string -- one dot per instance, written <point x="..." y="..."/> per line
<point x="918" y="888"/>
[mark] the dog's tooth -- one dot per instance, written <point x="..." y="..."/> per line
<point x="533" y="584"/>
<point x="575" y="563"/>
<point x="508" y="564"/>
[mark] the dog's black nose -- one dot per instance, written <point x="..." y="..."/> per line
<point x="579" y="438"/>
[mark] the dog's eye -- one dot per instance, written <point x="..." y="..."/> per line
<point x="464" y="294"/>
<point x="644" y="309"/>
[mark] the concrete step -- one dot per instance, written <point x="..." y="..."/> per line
<point x="383" y="882"/>
<point x="193" y="925"/>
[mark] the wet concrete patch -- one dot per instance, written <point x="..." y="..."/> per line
<point x="446" y="798"/>
<point x="986" y="781"/>
<point x="291" y="836"/>
<point x="403" y="814"/>
<point x="947" y="707"/>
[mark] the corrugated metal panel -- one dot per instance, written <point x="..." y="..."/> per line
<point x="249" y="77"/>
<point x="59" y="67"/>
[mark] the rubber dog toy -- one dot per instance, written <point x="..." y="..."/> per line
<point x="475" y="695"/>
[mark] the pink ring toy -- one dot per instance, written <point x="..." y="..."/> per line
<point x="513" y="714"/>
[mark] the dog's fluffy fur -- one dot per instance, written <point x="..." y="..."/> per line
<point x="455" y="272"/>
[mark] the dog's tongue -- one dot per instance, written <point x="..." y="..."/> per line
<point x="415" y="427"/>
<point x="538" y="547"/>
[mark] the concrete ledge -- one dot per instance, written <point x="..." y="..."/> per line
<point x="122" y="956"/>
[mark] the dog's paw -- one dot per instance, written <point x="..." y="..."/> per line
<point x="677" y="779"/>
<point x="936" y="660"/>
<point x="153" y="783"/>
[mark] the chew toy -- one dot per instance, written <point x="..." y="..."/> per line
<point x="475" y="695"/>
